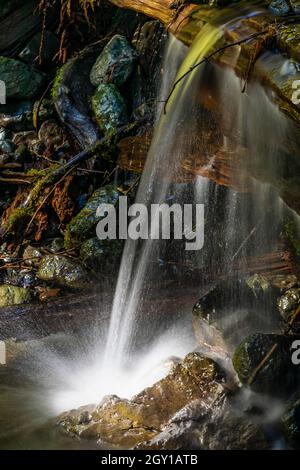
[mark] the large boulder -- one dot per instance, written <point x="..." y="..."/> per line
<point x="127" y="423"/>
<point x="235" y="308"/>
<point x="264" y="362"/>
<point x="22" y="82"/>
<point x="201" y="427"/>
<point x="109" y="108"/>
<point x="62" y="271"/>
<point x="115" y="63"/>
<point x="13" y="295"/>
<point x="83" y="226"/>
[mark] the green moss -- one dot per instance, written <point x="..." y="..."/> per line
<point x="58" y="81"/>
<point x="21" y="215"/>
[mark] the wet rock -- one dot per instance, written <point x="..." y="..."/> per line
<point x="23" y="278"/>
<point x="100" y="253"/>
<point x="62" y="271"/>
<point x="12" y="295"/>
<point x="22" y="82"/>
<point x="288" y="305"/>
<point x="115" y="63"/>
<point x="264" y="361"/>
<point x="127" y="423"/>
<point x="17" y="116"/>
<point x="31" y="51"/>
<point x="109" y="108"/>
<point x="83" y="225"/>
<point x="32" y="256"/>
<point x="235" y="308"/>
<point x="201" y="427"/>
<point x="290" y="423"/>
<point x="279" y="7"/>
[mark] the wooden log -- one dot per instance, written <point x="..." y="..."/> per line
<point x="188" y="21"/>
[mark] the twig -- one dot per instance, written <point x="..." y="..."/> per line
<point x="47" y="197"/>
<point x="205" y="59"/>
<point x="262" y="363"/>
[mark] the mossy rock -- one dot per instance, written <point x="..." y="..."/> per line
<point x="12" y="295"/>
<point x="109" y="108"/>
<point x="83" y="226"/>
<point x="63" y="271"/>
<point x="288" y="304"/>
<point x="97" y="253"/>
<point x="115" y="63"/>
<point x="277" y="376"/>
<point x="22" y="82"/>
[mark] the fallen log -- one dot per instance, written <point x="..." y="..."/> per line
<point x="189" y="20"/>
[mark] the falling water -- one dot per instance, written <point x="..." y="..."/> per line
<point x="246" y="120"/>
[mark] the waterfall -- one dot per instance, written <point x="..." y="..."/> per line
<point x="245" y="120"/>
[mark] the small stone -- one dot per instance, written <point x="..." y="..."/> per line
<point x="288" y="303"/>
<point x="279" y="7"/>
<point x="63" y="271"/>
<point x="115" y="63"/>
<point x="32" y="256"/>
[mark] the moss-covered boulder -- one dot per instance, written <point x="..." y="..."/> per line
<point x="109" y="108"/>
<point x="83" y="226"/>
<point x="97" y="253"/>
<point x="115" y="63"/>
<point x="62" y="271"/>
<point x="22" y="82"/>
<point x="13" y="295"/>
<point x="264" y="362"/>
<point x="290" y="423"/>
<point x="127" y="423"/>
<point x="235" y="308"/>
